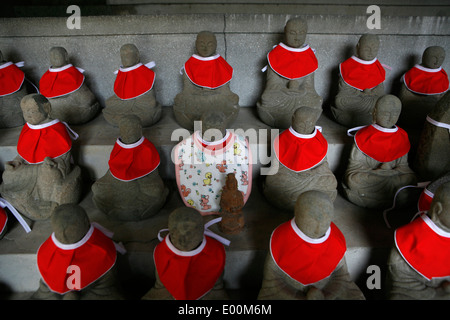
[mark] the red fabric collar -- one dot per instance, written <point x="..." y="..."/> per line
<point x="304" y="259"/>
<point x="134" y="81"/>
<point x="57" y="82"/>
<point x="292" y="63"/>
<point x="3" y="219"/>
<point x="11" y="78"/>
<point x="425" y="199"/>
<point x="426" y="81"/>
<point x="361" y="74"/>
<point x="425" y="247"/>
<point x="210" y="72"/>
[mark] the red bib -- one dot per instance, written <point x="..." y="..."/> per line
<point x="208" y="72"/>
<point x="425" y="200"/>
<point x="133" y="161"/>
<point x="57" y="82"/>
<point x="3" y="219"/>
<point x="134" y="81"/>
<point x="299" y="152"/>
<point x="94" y="255"/>
<point x="11" y="78"/>
<point x="292" y="63"/>
<point x="426" y="81"/>
<point x="425" y="247"/>
<point x="304" y="259"/>
<point x="36" y="142"/>
<point x="189" y="275"/>
<point x="381" y="144"/>
<point x="361" y="74"/>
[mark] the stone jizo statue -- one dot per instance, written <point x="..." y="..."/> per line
<point x="231" y="204"/>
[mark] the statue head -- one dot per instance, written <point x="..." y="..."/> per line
<point x="439" y="210"/>
<point x="129" y="55"/>
<point x="231" y="182"/>
<point x="70" y="223"/>
<point x="206" y="44"/>
<point x="35" y="108"/>
<point x="433" y="57"/>
<point x="213" y="125"/>
<point x="387" y="111"/>
<point x="295" y="32"/>
<point x="186" y="228"/>
<point x="313" y="211"/>
<point x="58" y="57"/>
<point x="130" y="129"/>
<point x="304" y="119"/>
<point x="367" y="47"/>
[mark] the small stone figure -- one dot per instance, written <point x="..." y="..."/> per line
<point x="300" y="153"/>
<point x="65" y="87"/>
<point x="422" y="86"/>
<point x="361" y="83"/>
<point x="189" y="264"/>
<point x="133" y="90"/>
<point x="378" y="163"/>
<point x="419" y="263"/>
<point x="206" y="85"/>
<point x="12" y="90"/>
<point x="203" y="160"/>
<point x="307" y="256"/>
<point x="231" y="204"/>
<point x="132" y="188"/>
<point x="78" y="261"/>
<point x="42" y="176"/>
<point x="290" y="78"/>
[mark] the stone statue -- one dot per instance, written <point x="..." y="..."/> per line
<point x="433" y="150"/>
<point x="290" y="78"/>
<point x="132" y="188"/>
<point x="78" y="261"/>
<point x="418" y="266"/>
<point x="361" y="83"/>
<point x="65" y="87"/>
<point x="12" y="90"/>
<point x="422" y="86"/>
<point x="206" y="85"/>
<point x="231" y="204"/>
<point x="189" y="264"/>
<point x="300" y="155"/>
<point x="42" y="176"/>
<point x="297" y="270"/>
<point x="133" y="90"/>
<point x="378" y="163"/>
<point x="203" y="160"/>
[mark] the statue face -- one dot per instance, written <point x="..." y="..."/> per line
<point x="367" y="50"/>
<point x="58" y="57"/>
<point x="186" y="235"/>
<point x="129" y="55"/>
<point x="433" y="57"/>
<point x="33" y="113"/>
<point x="295" y="34"/>
<point x="313" y="211"/>
<point x="304" y="123"/>
<point x="130" y="132"/>
<point x="387" y="116"/>
<point x="206" y="44"/>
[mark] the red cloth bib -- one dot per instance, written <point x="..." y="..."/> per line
<point x="425" y="200"/>
<point x="95" y="255"/>
<point x="133" y="161"/>
<point x="361" y="74"/>
<point x="292" y="63"/>
<point x="134" y="81"/>
<point x="11" y="78"/>
<point x="304" y="259"/>
<point x="208" y="72"/>
<point x="46" y="140"/>
<point x="381" y="144"/>
<point x="189" y="275"/>
<point x="300" y="152"/>
<point x="3" y="219"/>
<point x="426" y="81"/>
<point x="425" y="247"/>
<point x="57" y="82"/>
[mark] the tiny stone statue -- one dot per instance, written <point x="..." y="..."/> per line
<point x="300" y="153"/>
<point x="131" y="189"/>
<point x="378" y="163"/>
<point x="42" y="176"/>
<point x="203" y="160"/>
<point x="290" y="78"/>
<point x="12" y="90"/>
<point x="65" y="87"/>
<point x="361" y="83"/>
<point x="206" y="85"/>
<point x="189" y="264"/>
<point x="231" y="204"/>
<point x="78" y="261"/>
<point x="307" y="256"/>
<point x="133" y="90"/>
<point x="419" y="263"/>
<point x="422" y="86"/>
